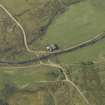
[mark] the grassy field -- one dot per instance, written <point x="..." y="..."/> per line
<point x="79" y="23"/>
<point x="46" y="22"/>
<point x="35" y="17"/>
<point x="29" y="74"/>
<point x="40" y="97"/>
<point x="22" y="77"/>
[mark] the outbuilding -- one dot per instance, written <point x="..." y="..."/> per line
<point x="52" y="47"/>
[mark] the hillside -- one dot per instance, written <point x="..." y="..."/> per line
<point x="52" y="52"/>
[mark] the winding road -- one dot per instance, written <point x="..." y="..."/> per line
<point x="51" y="64"/>
<point x="84" y="44"/>
<point x="44" y="54"/>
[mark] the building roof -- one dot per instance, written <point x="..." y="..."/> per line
<point x="52" y="47"/>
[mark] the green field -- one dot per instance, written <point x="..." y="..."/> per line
<point x="29" y="74"/>
<point x="62" y="22"/>
<point x="79" y="23"/>
<point x="26" y="76"/>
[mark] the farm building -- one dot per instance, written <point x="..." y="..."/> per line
<point x="52" y="47"/>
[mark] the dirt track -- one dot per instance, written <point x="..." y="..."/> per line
<point x="44" y="54"/>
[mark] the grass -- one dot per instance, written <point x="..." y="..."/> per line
<point x="40" y="97"/>
<point x="34" y="16"/>
<point x="79" y="23"/>
<point x="89" y="53"/>
<point x="29" y="74"/>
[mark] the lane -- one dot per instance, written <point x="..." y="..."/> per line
<point x="70" y="82"/>
<point x="81" y="45"/>
<point x="51" y="64"/>
<point x="45" y="55"/>
<point x="84" y="44"/>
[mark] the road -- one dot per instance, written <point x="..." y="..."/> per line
<point x="67" y="79"/>
<point x="51" y="64"/>
<point x="48" y="54"/>
<point x="45" y="54"/>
